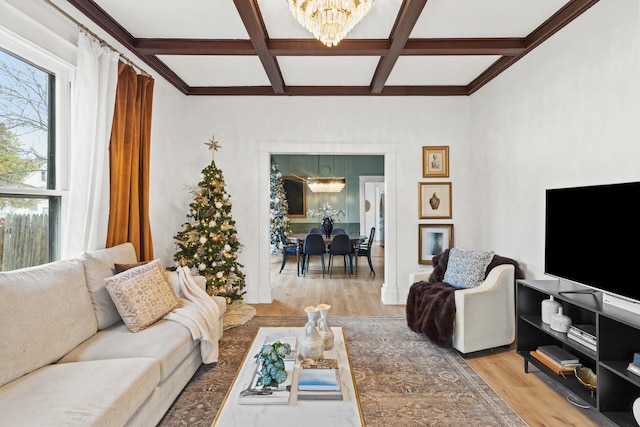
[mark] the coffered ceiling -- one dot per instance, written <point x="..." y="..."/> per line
<point x="401" y="48"/>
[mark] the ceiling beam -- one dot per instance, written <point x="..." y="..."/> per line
<point x="555" y="23"/>
<point x="484" y="46"/>
<point x="252" y="19"/>
<point x="311" y="47"/>
<point x="194" y="47"/>
<point x="331" y="91"/>
<point x="406" y="20"/>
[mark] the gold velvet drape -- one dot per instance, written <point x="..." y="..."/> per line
<point x="129" y="163"/>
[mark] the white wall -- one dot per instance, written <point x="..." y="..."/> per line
<point x="568" y="114"/>
<point x="249" y="128"/>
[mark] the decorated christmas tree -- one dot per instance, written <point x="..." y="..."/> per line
<point x="279" y="208"/>
<point x="208" y="242"/>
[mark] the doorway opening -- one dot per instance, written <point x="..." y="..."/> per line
<point x="389" y="292"/>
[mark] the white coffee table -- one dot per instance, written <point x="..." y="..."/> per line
<point x="308" y="413"/>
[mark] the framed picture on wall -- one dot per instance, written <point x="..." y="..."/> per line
<point x="433" y="239"/>
<point x="434" y="200"/>
<point x="295" y="189"/>
<point x="435" y="162"/>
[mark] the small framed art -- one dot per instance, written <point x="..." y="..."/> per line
<point x="433" y="239"/>
<point x="435" y="162"/>
<point x="434" y="200"/>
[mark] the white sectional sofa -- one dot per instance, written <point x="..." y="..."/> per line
<point x="67" y="359"/>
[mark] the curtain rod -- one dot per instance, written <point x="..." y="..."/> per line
<point x="98" y="38"/>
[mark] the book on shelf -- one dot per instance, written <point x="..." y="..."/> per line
<point x="562" y="366"/>
<point x="558" y="354"/>
<point x="633" y="368"/>
<point x="551" y="365"/>
<point x="581" y="340"/>
<point x="636" y="359"/>
<point x="319" y="375"/>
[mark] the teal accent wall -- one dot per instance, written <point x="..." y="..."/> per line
<point x="351" y="167"/>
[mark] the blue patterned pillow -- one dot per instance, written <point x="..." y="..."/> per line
<point x="466" y="269"/>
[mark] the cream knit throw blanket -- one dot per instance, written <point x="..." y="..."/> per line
<point x="199" y="314"/>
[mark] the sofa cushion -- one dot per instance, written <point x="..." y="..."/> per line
<point x="119" y="268"/>
<point x="466" y="269"/>
<point x="97" y="393"/>
<point x="45" y="312"/>
<point x="142" y="295"/>
<point x="167" y="341"/>
<point x="98" y="265"/>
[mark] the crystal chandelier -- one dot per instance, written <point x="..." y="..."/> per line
<point x="326" y="185"/>
<point x="329" y="20"/>
<point x="330" y="184"/>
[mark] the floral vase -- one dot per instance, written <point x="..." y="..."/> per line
<point x="327" y="226"/>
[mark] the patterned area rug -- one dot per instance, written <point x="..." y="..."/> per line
<point x="402" y="379"/>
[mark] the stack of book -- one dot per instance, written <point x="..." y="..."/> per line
<point x="557" y="359"/>
<point x="319" y="380"/>
<point x="585" y="335"/>
<point x="634" y="366"/>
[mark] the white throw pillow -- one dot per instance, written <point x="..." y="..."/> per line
<point x="142" y="295"/>
<point x="466" y="269"/>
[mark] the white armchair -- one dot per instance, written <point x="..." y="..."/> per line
<point x="485" y="315"/>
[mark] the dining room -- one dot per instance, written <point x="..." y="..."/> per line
<point x="329" y="195"/>
<point x="356" y="206"/>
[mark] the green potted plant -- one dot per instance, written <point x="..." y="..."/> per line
<point x="271" y="359"/>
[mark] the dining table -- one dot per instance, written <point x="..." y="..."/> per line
<point x="299" y="239"/>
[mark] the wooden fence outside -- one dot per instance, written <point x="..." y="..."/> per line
<point x="24" y="241"/>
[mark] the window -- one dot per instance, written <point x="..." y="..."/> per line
<point x="30" y="201"/>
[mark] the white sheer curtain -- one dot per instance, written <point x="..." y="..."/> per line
<point x="87" y="206"/>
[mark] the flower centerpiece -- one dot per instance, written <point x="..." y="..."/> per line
<point x="328" y="215"/>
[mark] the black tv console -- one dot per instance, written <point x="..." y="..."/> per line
<point x="617" y="334"/>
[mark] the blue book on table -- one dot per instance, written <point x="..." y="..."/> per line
<point x="319" y="379"/>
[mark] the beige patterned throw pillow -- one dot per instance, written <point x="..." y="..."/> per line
<point x="142" y="295"/>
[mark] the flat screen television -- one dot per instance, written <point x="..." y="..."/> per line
<point x="592" y="237"/>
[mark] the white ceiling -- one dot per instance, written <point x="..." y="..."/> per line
<point x="221" y="20"/>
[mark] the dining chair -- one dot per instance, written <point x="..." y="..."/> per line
<point x="340" y="245"/>
<point x="313" y="245"/>
<point x="288" y="249"/>
<point x="364" y="249"/>
<point x="315" y="230"/>
<point x="339" y="231"/>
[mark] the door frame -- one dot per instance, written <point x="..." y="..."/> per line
<point x="389" y="291"/>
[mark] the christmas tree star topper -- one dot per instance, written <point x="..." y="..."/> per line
<point x="213" y="144"/>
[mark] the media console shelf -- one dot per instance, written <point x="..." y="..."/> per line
<point x="617" y="334"/>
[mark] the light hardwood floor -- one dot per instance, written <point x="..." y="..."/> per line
<point x="359" y="295"/>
